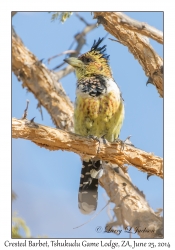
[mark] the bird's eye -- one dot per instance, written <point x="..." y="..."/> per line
<point x="86" y="59"/>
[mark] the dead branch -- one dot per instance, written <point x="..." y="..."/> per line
<point x="131" y="209"/>
<point x="82" y="19"/>
<point x="81" y="41"/>
<point x="42" y="83"/>
<point x="138" y="45"/>
<point x="32" y="72"/>
<point x="55" y="139"/>
<point x="139" y="27"/>
<point x="63" y="53"/>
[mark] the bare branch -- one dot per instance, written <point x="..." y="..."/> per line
<point x="55" y="139"/>
<point x="82" y="19"/>
<point x="25" y="111"/>
<point x="42" y="83"/>
<point x="139" y="27"/>
<point x="138" y="45"/>
<point x="81" y="41"/>
<point x="131" y="209"/>
<point x="63" y="53"/>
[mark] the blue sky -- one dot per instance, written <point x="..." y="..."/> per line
<point x="47" y="182"/>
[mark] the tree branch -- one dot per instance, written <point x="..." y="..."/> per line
<point x="63" y="53"/>
<point x="131" y="209"/>
<point x="138" y="45"/>
<point x="55" y="139"/>
<point x="82" y="19"/>
<point x="139" y="27"/>
<point x="42" y="83"/>
<point x="81" y="41"/>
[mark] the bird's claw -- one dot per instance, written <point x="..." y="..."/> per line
<point x="100" y="140"/>
<point x="126" y="141"/>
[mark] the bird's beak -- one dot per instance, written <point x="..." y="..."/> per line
<point x="74" y="62"/>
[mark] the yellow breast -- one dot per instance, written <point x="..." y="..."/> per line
<point x="99" y="116"/>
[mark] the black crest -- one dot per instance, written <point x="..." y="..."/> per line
<point x="96" y="47"/>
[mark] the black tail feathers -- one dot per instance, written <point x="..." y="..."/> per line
<point x="88" y="190"/>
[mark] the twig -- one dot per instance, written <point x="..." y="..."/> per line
<point x="42" y="83"/>
<point x="82" y="19"/>
<point x="81" y="41"/>
<point x="95" y="215"/>
<point x="63" y="53"/>
<point x="59" y="66"/>
<point x="114" y="40"/>
<point x="108" y="208"/>
<point x="25" y="111"/>
<point x="39" y="106"/>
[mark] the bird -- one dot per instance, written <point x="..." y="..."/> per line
<point x="99" y="112"/>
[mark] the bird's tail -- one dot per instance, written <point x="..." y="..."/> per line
<point x="88" y="190"/>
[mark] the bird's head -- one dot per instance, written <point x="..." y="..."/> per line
<point x="91" y="63"/>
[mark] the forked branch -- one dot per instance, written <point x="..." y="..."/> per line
<point x="138" y="45"/>
<point x="130" y="204"/>
<point x="140" y="27"/>
<point x="42" y="83"/>
<point x="131" y="208"/>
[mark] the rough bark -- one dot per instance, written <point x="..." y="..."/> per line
<point x="131" y="205"/>
<point x="139" y="27"/>
<point x="131" y="208"/>
<point x="42" y="83"/>
<point x="117" y="153"/>
<point x="137" y="44"/>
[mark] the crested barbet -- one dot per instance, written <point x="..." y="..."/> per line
<point x="99" y="112"/>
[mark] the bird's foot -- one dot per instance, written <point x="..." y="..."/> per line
<point x="95" y="138"/>
<point x="149" y="175"/>
<point x="103" y="139"/>
<point x="100" y="140"/>
<point x="126" y="141"/>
